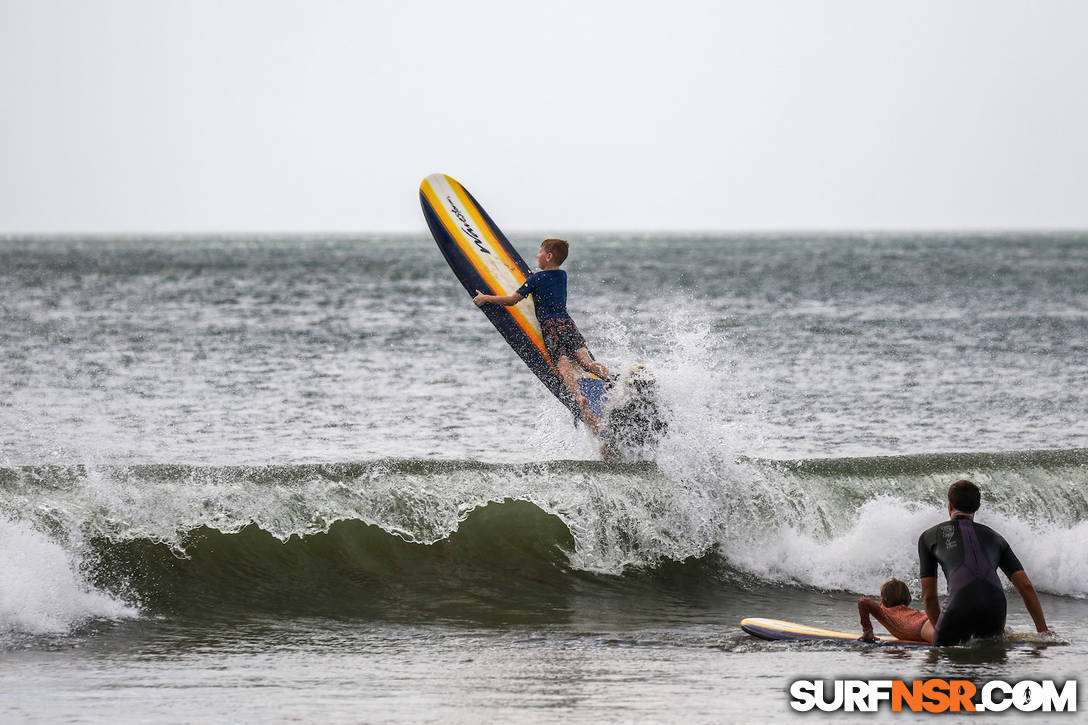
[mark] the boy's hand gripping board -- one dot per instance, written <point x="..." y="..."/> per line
<point x="483" y="259"/>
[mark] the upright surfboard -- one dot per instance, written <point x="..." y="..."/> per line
<point x="483" y="259"/>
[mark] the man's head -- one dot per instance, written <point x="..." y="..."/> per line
<point x="894" y="593"/>
<point x="964" y="496"/>
<point x="553" y="252"/>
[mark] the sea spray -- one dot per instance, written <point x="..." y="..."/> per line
<point x="42" y="587"/>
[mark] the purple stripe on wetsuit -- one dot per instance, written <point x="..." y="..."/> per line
<point x="976" y="565"/>
<point x="976" y="604"/>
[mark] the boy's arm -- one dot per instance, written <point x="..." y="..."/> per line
<point x="481" y="299"/>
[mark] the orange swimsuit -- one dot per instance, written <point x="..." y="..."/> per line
<point x="902" y="621"/>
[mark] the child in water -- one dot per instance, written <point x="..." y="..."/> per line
<point x="893" y="612"/>
<point x="561" y="338"/>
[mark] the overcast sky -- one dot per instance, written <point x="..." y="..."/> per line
<point x="179" y="116"/>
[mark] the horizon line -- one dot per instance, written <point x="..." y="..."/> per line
<point x="424" y="232"/>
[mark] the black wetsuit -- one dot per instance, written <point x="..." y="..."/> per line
<point x="970" y="555"/>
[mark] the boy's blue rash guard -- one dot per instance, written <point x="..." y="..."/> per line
<point x="549" y="290"/>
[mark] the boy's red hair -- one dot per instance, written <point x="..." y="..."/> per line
<point x="558" y="248"/>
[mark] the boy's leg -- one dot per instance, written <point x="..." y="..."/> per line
<point x="566" y="372"/>
<point x="589" y="364"/>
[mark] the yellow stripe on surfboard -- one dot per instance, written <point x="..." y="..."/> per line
<point x="474" y="212"/>
<point x="519" y="312"/>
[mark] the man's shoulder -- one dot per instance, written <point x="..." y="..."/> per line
<point x="933" y="532"/>
<point x="985" y="530"/>
<point x="936" y="527"/>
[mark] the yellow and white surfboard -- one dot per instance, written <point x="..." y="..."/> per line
<point x="778" y="629"/>
<point x="483" y="259"/>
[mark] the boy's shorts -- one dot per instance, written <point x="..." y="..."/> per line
<point x="561" y="338"/>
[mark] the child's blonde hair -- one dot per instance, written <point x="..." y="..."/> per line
<point x="558" y="248"/>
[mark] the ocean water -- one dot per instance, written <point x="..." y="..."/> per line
<point x="303" y="478"/>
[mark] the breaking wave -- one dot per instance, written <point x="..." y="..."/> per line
<point x="442" y="538"/>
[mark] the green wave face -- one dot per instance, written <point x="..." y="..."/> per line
<point x="506" y="561"/>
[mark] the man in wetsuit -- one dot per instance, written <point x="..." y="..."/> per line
<point x="970" y="555"/>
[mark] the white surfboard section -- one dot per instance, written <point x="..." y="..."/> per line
<point x="477" y="243"/>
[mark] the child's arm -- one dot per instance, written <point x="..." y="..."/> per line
<point x="866" y="607"/>
<point x="481" y="299"/>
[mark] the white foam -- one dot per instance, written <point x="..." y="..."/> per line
<point x="1055" y="557"/>
<point x="882" y="542"/>
<point x="692" y="366"/>
<point x="41" y="589"/>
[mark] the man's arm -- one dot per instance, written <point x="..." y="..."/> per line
<point x="929" y="597"/>
<point x="927" y="573"/>
<point x="481" y="299"/>
<point x="1023" y="585"/>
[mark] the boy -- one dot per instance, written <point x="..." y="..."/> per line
<point x="893" y="612"/>
<point x="561" y="338"/>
